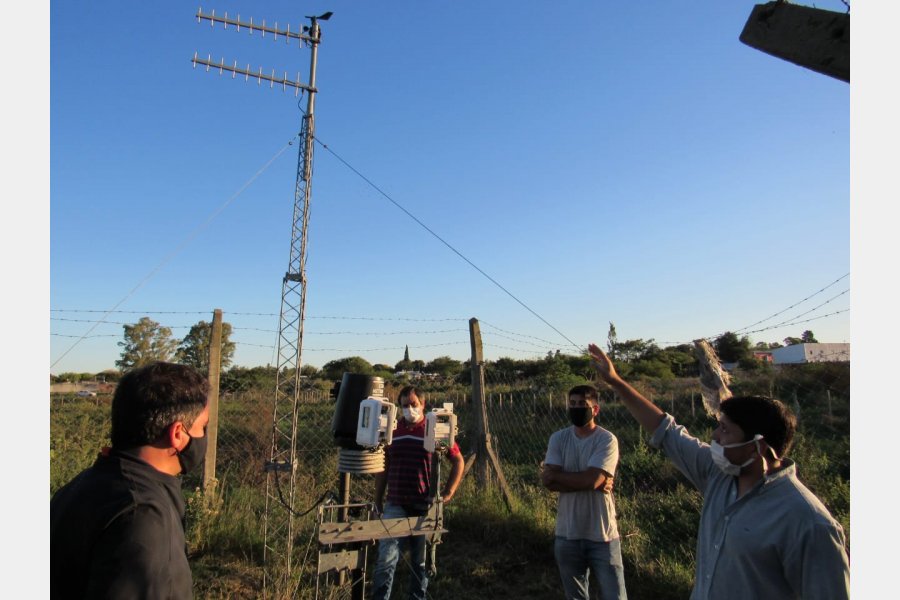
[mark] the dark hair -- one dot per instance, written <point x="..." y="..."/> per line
<point x="588" y="392"/>
<point x="763" y="415"/>
<point x="411" y="389"/>
<point x="148" y="399"/>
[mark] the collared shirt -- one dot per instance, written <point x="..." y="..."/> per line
<point x="117" y="531"/>
<point x="409" y="464"/>
<point x="776" y="541"/>
<point x="585" y="514"/>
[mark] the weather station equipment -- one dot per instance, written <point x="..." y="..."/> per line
<point x="440" y="428"/>
<point x="363" y="426"/>
<point x="377" y="421"/>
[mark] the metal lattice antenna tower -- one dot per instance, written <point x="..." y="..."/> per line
<point x="279" y="526"/>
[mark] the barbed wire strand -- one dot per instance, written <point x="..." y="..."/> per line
<point x="253" y="314"/>
<point x="178" y="248"/>
<point x="793" y="305"/>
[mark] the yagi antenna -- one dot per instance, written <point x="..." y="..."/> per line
<point x="284" y="82"/>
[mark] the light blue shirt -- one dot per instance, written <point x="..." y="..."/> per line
<point x="776" y="541"/>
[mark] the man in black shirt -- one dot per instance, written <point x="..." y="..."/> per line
<point x="117" y="529"/>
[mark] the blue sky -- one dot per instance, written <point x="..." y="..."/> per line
<point x="631" y="163"/>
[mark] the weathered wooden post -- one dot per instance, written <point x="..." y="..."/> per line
<point x="485" y="457"/>
<point x="212" y="430"/>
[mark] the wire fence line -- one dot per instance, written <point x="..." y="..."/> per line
<point x="657" y="509"/>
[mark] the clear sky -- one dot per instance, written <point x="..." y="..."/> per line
<point x="629" y="162"/>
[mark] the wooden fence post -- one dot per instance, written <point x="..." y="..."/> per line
<point x="485" y="458"/>
<point x="212" y="430"/>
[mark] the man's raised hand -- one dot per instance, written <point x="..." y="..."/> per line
<point x="601" y="363"/>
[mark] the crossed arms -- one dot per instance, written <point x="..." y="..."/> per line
<point x="556" y="480"/>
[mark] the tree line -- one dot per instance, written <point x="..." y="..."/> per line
<point x="147" y="341"/>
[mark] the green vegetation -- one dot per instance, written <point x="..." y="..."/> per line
<point x="489" y="550"/>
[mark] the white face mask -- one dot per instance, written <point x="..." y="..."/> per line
<point x="412" y="414"/>
<point x="717" y="451"/>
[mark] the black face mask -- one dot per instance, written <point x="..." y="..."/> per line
<point x="580" y="415"/>
<point x="192" y="454"/>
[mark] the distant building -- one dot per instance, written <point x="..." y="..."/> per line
<point x="799" y="354"/>
<point x="91" y="387"/>
<point x="764" y="356"/>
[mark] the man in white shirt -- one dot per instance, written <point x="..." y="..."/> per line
<point x="580" y="464"/>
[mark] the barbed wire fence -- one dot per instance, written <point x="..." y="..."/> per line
<point x="657" y="509"/>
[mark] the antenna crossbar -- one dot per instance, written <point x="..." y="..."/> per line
<point x="283" y="81"/>
<point x="287" y="33"/>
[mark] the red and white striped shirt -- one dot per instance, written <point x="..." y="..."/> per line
<point x="409" y="464"/>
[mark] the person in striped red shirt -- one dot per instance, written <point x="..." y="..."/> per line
<point x="407" y="478"/>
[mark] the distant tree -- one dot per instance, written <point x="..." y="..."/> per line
<point x="612" y="341"/>
<point x="766" y="346"/>
<point x="444" y="365"/>
<point x="507" y="369"/>
<point x="791" y="341"/>
<point x="108" y="376"/>
<point x="242" y="379"/>
<point x="731" y="348"/>
<point x="553" y="372"/>
<point x="656" y="368"/>
<point x="309" y="371"/>
<point x="145" y="342"/>
<point x="631" y="350"/>
<point x="405" y="364"/>
<point x="417" y="365"/>
<point x="579" y="364"/>
<point x="335" y="369"/>
<point x="194" y="348"/>
<point x="807" y="337"/>
<point x="751" y="363"/>
<point x="681" y="359"/>
<point x="465" y="376"/>
<point x="68" y="377"/>
<point x="384" y="371"/>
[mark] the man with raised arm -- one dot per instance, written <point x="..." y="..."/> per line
<point x="762" y="533"/>
<point x="580" y="465"/>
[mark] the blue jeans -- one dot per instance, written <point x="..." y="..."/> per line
<point x="389" y="551"/>
<point x="577" y="559"/>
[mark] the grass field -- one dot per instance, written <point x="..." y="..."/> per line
<point x="490" y="551"/>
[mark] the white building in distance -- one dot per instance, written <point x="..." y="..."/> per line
<point x="799" y="354"/>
